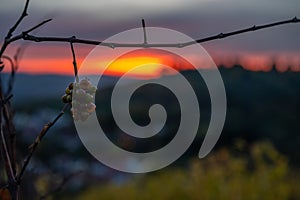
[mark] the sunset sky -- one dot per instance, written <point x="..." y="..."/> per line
<point x="98" y="20"/>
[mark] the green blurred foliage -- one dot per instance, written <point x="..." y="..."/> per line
<point x="247" y="173"/>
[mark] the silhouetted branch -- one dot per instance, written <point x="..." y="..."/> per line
<point x="11" y="30"/>
<point x="74" y="61"/>
<point x="21" y="36"/>
<point x="62" y="39"/>
<point x="27" y="36"/>
<point x="38" y="139"/>
<point x="37" y="26"/>
<point x="23" y="15"/>
<point x="7" y="130"/>
<point x="253" y="28"/>
<point x="144" y="31"/>
<point x="9" y="38"/>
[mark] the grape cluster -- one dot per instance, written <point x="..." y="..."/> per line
<point x="83" y="102"/>
<point x="67" y="97"/>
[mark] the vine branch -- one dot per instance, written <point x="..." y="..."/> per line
<point x="29" y="37"/>
<point x="6" y="111"/>
<point x="74" y="60"/>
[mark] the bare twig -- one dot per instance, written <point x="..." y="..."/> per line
<point x="21" y="36"/>
<point x="37" y="26"/>
<point x="146" y="45"/>
<point x="74" y="61"/>
<point x="144" y="31"/>
<point x="60" y="39"/>
<point x="23" y="15"/>
<point x="11" y="39"/>
<point x="12" y="29"/>
<point x="34" y="145"/>
<point x="253" y="28"/>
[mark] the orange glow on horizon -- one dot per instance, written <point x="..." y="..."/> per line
<point x="146" y="63"/>
<point x="62" y="65"/>
<point x="123" y="65"/>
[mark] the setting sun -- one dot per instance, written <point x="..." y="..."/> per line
<point x="141" y="63"/>
<point x="123" y="65"/>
